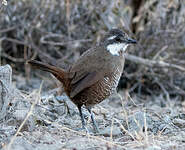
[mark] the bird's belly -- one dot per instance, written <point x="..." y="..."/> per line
<point x="99" y="91"/>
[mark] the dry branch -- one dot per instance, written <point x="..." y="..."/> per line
<point x="153" y="63"/>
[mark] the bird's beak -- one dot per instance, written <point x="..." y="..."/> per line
<point x="131" y="41"/>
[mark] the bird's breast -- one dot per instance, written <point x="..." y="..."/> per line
<point x="102" y="89"/>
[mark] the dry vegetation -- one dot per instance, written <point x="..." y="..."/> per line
<point x="149" y="111"/>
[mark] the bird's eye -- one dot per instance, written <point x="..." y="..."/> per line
<point x="118" y="39"/>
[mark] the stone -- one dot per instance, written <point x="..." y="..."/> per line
<point x="5" y="89"/>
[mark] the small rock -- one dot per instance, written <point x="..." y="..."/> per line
<point x="20" y="114"/>
<point x="179" y="122"/>
<point x="153" y="147"/>
<point x="107" y="131"/>
<point x="5" y="89"/>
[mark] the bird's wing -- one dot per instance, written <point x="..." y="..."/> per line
<point x="84" y="82"/>
<point x="83" y="75"/>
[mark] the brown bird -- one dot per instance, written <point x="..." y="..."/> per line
<point x="96" y="73"/>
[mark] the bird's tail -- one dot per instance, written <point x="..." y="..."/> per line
<point x="59" y="73"/>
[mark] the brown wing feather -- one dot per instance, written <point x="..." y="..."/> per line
<point x="85" y="82"/>
<point x="79" y="75"/>
<point x="86" y="72"/>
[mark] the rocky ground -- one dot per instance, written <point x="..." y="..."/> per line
<point x="38" y="119"/>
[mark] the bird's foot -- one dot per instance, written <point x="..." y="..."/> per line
<point x="84" y="129"/>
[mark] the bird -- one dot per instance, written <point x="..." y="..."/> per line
<point x="95" y="75"/>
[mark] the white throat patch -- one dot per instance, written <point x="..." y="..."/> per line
<point x="115" y="48"/>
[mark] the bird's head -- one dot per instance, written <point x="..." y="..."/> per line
<point x="116" y="41"/>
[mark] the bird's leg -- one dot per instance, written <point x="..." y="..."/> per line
<point x="93" y="120"/>
<point x="82" y="118"/>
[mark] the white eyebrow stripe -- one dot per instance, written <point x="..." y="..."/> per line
<point x="112" y="37"/>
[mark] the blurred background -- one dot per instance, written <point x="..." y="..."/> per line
<point x="59" y="31"/>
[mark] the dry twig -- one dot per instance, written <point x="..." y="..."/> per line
<point x="153" y="63"/>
